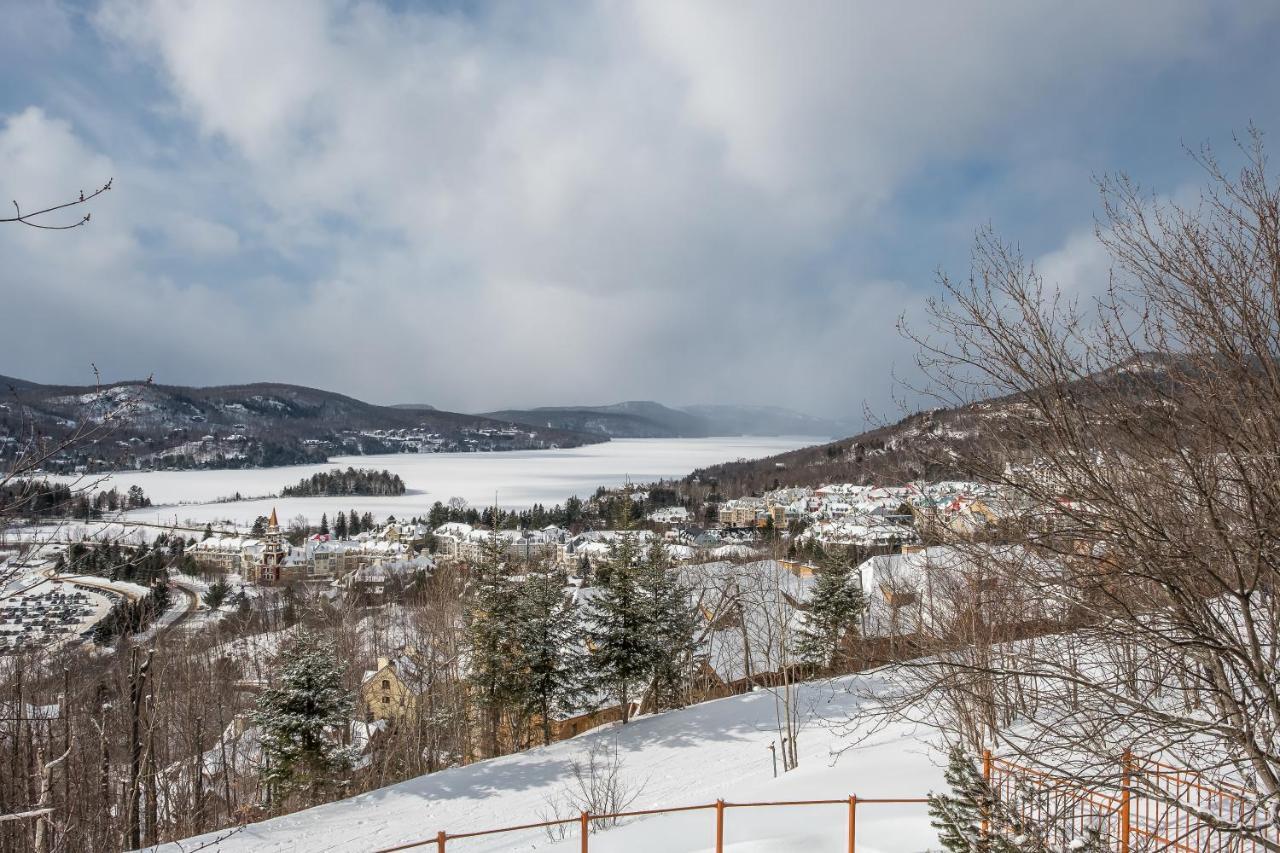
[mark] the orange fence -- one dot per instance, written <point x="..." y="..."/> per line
<point x="1153" y="806"/>
<point x="851" y="806"/>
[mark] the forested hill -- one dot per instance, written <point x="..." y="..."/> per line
<point x="232" y="426"/>
<point x="647" y="419"/>
<point x="910" y="449"/>
<point x="935" y="444"/>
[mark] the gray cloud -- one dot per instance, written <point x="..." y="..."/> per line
<point x="687" y="202"/>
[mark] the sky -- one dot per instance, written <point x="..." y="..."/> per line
<point x="503" y="204"/>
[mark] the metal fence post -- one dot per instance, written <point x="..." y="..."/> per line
<point x="853" y="821"/>
<point x="1126" y="801"/>
<point x="440" y="839"/>
<point x="719" y="826"/>
<point x="585" y="820"/>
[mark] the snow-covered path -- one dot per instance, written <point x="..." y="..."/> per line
<point x="714" y="750"/>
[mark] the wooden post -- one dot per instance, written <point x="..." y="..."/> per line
<point x="585" y="820"/>
<point x="986" y="775"/>
<point x="440" y="839"/>
<point x="1126" y="801"/>
<point x="719" y="826"/>
<point x="853" y="821"/>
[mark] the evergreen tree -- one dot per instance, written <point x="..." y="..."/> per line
<point x="259" y="528"/>
<point x="834" y="611"/>
<point x="492" y="642"/>
<point x="217" y="593"/>
<point x="621" y="643"/>
<point x="966" y="818"/>
<point x="340" y="525"/>
<point x="324" y="523"/>
<point x="208" y="532"/>
<point x="669" y="626"/>
<point x="366" y="523"/>
<point x="299" y="716"/>
<point x="552" y="663"/>
<point x="353" y="520"/>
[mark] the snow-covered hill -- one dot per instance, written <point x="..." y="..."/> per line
<point x="714" y="750"/>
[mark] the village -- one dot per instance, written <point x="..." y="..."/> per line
<point x="768" y="544"/>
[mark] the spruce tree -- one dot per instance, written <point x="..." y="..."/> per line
<point x="621" y="653"/>
<point x="670" y="620"/>
<point x="340" y="525"/>
<point x="492" y="641"/>
<point x="217" y="593"/>
<point x="299" y="714"/>
<point x="324" y="523"/>
<point x="552" y="660"/>
<point x="968" y="818"/>
<point x="834" y="611"/>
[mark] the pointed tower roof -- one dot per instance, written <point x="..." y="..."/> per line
<point x="272" y="521"/>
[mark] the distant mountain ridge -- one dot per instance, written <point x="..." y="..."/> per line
<point x="231" y="426"/>
<point x="648" y="419"/>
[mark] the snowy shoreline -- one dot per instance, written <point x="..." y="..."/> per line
<point x="516" y="479"/>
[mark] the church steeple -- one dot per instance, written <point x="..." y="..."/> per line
<point x="273" y="521"/>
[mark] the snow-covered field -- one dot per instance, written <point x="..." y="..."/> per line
<point x="517" y="479"/>
<point x="694" y="755"/>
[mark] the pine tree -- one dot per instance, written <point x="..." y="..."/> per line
<point x="217" y="593"/>
<point x="324" y="523"/>
<point x="298" y="716"/>
<point x="834" y="611"/>
<point x="340" y="525"/>
<point x="208" y="532"/>
<point x="551" y="657"/>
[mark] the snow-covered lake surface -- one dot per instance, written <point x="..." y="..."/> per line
<point x="714" y="750"/>
<point x="518" y="479"/>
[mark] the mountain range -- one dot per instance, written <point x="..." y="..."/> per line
<point x="271" y="423"/>
<point x="234" y="426"/>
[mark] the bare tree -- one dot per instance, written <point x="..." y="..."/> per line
<point x="1137" y="451"/>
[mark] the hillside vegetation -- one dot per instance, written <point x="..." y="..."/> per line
<point x="234" y="426"/>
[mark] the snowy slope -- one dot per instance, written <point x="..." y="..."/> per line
<point x="695" y="755"/>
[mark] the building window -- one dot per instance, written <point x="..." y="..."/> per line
<point x="386" y="700"/>
<point x="386" y="684"/>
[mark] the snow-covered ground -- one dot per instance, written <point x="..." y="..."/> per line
<point x="518" y="479"/>
<point x="695" y="755"/>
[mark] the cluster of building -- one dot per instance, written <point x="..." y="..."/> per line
<point x="572" y="551"/>
<point x="271" y="559"/>
<point x="884" y="518"/>
<point x="869" y="516"/>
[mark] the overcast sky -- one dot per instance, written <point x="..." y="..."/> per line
<point x="507" y="204"/>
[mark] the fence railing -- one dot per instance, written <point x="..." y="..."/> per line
<point x="1153" y="806"/>
<point x="584" y="820"/>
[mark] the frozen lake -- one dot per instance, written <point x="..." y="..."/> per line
<point x="519" y="479"/>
